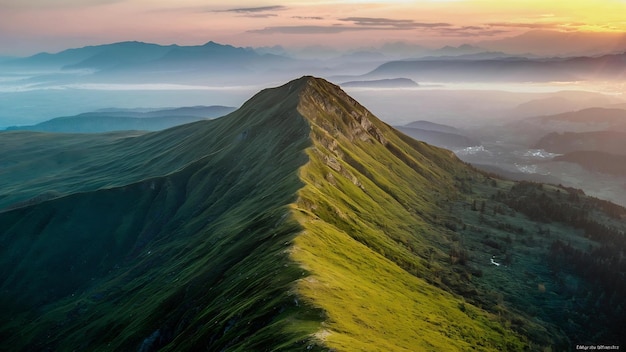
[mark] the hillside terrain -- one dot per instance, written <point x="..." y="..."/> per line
<point x="596" y="161"/>
<point x="613" y="142"/>
<point x="126" y="120"/>
<point x="438" y="135"/>
<point x="581" y="121"/>
<point x="538" y="148"/>
<point x="298" y="222"/>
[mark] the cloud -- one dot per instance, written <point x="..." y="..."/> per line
<point x="525" y="25"/>
<point x="392" y="23"/>
<point x="307" y="17"/>
<point x="306" y="30"/>
<point x="254" y="12"/>
<point x="564" y="26"/>
<point x="38" y="4"/>
<point x="317" y="29"/>
<point x="473" y="28"/>
<point x="470" y="31"/>
<point x="358" y="24"/>
<point x="260" y="15"/>
<point x="248" y="10"/>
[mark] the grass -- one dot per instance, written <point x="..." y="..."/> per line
<point x="367" y="220"/>
<point x="298" y="222"/>
<point x="195" y="256"/>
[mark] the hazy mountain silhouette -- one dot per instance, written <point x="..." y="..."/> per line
<point x="597" y="161"/>
<point x="121" y="120"/>
<point x="437" y="134"/>
<point x="551" y="42"/>
<point x="97" y="56"/>
<point x="612" y="142"/>
<point x="594" y="118"/>
<point x="382" y="83"/>
<point x="125" y="60"/>
<point x="432" y="126"/>
<point x="513" y="69"/>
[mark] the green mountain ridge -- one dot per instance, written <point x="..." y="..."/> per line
<point x="298" y="222"/>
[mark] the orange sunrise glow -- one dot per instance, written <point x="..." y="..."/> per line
<point x="28" y="26"/>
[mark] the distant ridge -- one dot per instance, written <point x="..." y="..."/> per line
<point x="125" y="60"/>
<point x="597" y="161"/>
<point x="382" y="83"/>
<point x="125" y="120"/>
<point x="613" y="142"/>
<point x="515" y="69"/>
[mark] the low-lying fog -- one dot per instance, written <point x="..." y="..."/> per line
<point x="503" y="119"/>
<point x="25" y="101"/>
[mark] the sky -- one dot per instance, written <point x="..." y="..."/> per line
<point x="31" y="26"/>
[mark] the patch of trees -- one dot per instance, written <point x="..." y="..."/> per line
<point x="601" y="304"/>
<point x="600" y="308"/>
<point x="578" y="211"/>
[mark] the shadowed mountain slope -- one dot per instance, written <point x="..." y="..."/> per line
<point x="185" y="251"/>
<point x="298" y="222"/>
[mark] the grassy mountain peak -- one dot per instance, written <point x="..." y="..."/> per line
<point x="298" y="222"/>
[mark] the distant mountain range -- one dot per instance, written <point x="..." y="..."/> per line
<point x="136" y="55"/>
<point x="382" y="83"/>
<point x="298" y="222"/>
<point x="594" y="138"/>
<point x="560" y="103"/>
<point x="437" y="134"/>
<point x="511" y="69"/>
<point x="121" y="119"/>
<point x="530" y="130"/>
<point x="549" y="43"/>
<point x="134" y="60"/>
<point x="598" y="118"/>
<point x="597" y="161"/>
<point x="613" y="142"/>
<point x="144" y="62"/>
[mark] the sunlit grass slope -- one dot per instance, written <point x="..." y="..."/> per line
<point x="369" y="209"/>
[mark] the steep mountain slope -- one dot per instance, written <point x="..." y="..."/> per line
<point x="298" y="222"/>
<point x="188" y="255"/>
<point x="371" y="195"/>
